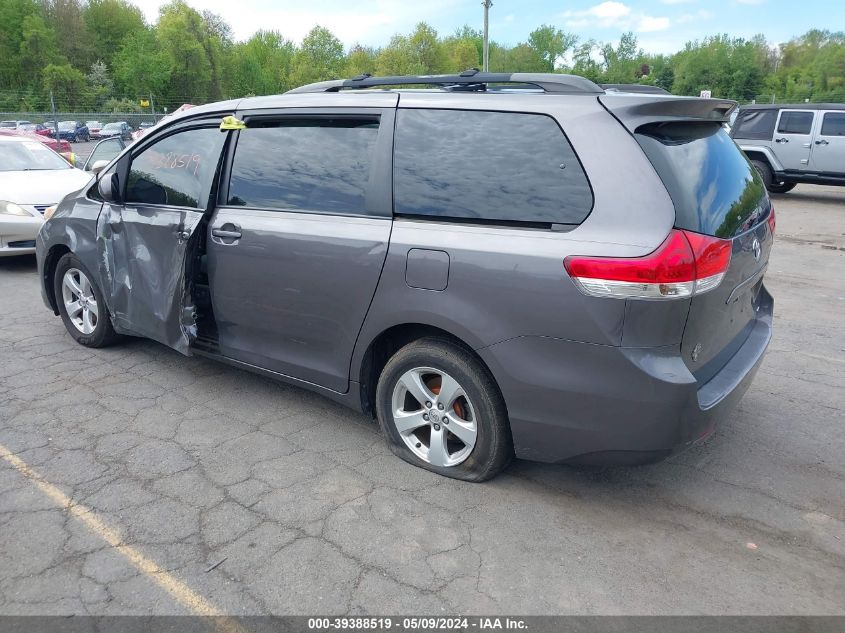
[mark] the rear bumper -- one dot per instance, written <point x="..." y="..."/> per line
<point x="578" y="402"/>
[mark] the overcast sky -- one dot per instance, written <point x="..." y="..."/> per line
<point x="662" y="26"/>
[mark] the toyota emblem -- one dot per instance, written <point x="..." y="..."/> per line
<point x="756" y="249"/>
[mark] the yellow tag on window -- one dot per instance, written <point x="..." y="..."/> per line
<point x="231" y="123"/>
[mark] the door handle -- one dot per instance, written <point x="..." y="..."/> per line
<point x="781" y="140"/>
<point x="822" y="142"/>
<point x="232" y="235"/>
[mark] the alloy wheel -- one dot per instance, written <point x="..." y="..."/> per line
<point x="434" y="416"/>
<point x="80" y="302"/>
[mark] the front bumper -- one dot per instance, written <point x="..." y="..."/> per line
<point x="579" y="402"/>
<point x="17" y="234"/>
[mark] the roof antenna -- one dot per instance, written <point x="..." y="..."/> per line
<point x="469" y="72"/>
<point x="361" y="77"/>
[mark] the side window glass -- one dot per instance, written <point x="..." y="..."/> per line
<point x="833" y="124"/>
<point x="177" y="170"/>
<point x="105" y="150"/>
<point x="487" y="166"/>
<point x="795" y="122"/>
<point x="312" y="165"/>
<point x="756" y="124"/>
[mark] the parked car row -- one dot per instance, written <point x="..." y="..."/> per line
<point x="75" y="131"/>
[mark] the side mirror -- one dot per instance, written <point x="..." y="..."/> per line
<point x="99" y="165"/>
<point x="109" y="188"/>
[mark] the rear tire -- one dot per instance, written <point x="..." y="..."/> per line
<point x="768" y="178"/>
<point x="440" y="409"/>
<point x="81" y="305"/>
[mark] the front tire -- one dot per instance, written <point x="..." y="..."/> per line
<point x="81" y="304"/>
<point x="768" y="178"/>
<point x="440" y="409"/>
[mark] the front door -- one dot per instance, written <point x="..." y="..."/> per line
<point x="145" y="238"/>
<point x="297" y="243"/>
<point x="829" y="146"/>
<point x="793" y="139"/>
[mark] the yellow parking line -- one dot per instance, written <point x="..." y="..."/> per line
<point x="183" y="594"/>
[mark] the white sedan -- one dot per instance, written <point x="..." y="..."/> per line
<point x="32" y="178"/>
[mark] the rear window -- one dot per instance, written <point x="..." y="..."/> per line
<point x="795" y="122"/>
<point x="475" y="165"/>
<point x="755" y="124"/>
<point x="714" y="188"/>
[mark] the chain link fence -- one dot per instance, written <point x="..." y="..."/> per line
<point x="134" y="119"/>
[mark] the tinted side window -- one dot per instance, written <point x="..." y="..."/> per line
<point x="490" y="166"/>
<point x="320" y="164"/>
<point x="833" y="124"/>
<point x="795" y="122"/>
<point x="177" y="170"/>
<point x="755" y="124"/>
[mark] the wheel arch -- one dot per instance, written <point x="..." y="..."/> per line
<point x="51" y="260"/>
<point x="390" y="340"/>
<point x="762" y="154"/>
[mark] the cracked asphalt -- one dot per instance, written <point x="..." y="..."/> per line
<point x="299" y="507"/>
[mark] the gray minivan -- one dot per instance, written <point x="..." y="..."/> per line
<point x="791" y="144"/>
<point x="491" y="264"/>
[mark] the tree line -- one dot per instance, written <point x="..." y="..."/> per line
<point x="101" y="55"/>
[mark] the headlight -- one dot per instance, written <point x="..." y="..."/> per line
<point x="48" y="212"/>
<point x="10" y="208"/>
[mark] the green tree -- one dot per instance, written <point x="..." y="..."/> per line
<point x="360" y="60"/>
<point x="38" y="46"/>
<point x="13" y="16"/>
<point x="66" y="19"/>
<point x="181" y="33"/>
<point x="320" y="57"/>
<point x="141" y="67"/>
<point x="260" y="66"/>
<point x="110" y="23"/>
<point x="419" y="53"/>
<point x="551" y="44"/>
<point x="67" y="84"/>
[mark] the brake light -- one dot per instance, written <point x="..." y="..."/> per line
<point x="772" y="222"/>
<point x="684" y="264"/>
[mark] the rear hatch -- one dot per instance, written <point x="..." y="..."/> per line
<point x="716" y="192"/>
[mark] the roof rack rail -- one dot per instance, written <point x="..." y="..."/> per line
<point x="638" y="88"/>
<point x="471" y="79"/>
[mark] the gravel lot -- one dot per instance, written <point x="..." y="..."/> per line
<point x="135" y="453"/>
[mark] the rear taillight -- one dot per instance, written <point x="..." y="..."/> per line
<point x="684" y="264"/>
<point x="772" y="220"/>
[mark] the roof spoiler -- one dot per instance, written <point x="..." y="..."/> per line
<point x="634" y="111"/>
<point x="641" y="88"/>
<point x="471" y="79"/>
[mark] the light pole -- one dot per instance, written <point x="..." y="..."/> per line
<point x="486" y="61"/>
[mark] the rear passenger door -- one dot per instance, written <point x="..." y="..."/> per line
<point x="298" y="241"/>
<point x="829" y="145"/>
<point x="793" y="139"/>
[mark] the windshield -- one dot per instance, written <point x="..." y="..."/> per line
<point x="715" y="189"/>
<point x="8" y="124"/>
<point x="112" y="126"/>
<point x="29" y="156"/>
<point x="67" y="125"/>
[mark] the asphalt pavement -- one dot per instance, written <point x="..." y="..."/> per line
<point x="140" y="481"/>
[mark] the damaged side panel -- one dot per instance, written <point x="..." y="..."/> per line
<point x="142" y="254"/>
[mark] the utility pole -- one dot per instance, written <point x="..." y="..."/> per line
<point x="153" y="107"/>
<point x="486" y="61"/>
<point x="55" y="118"/>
